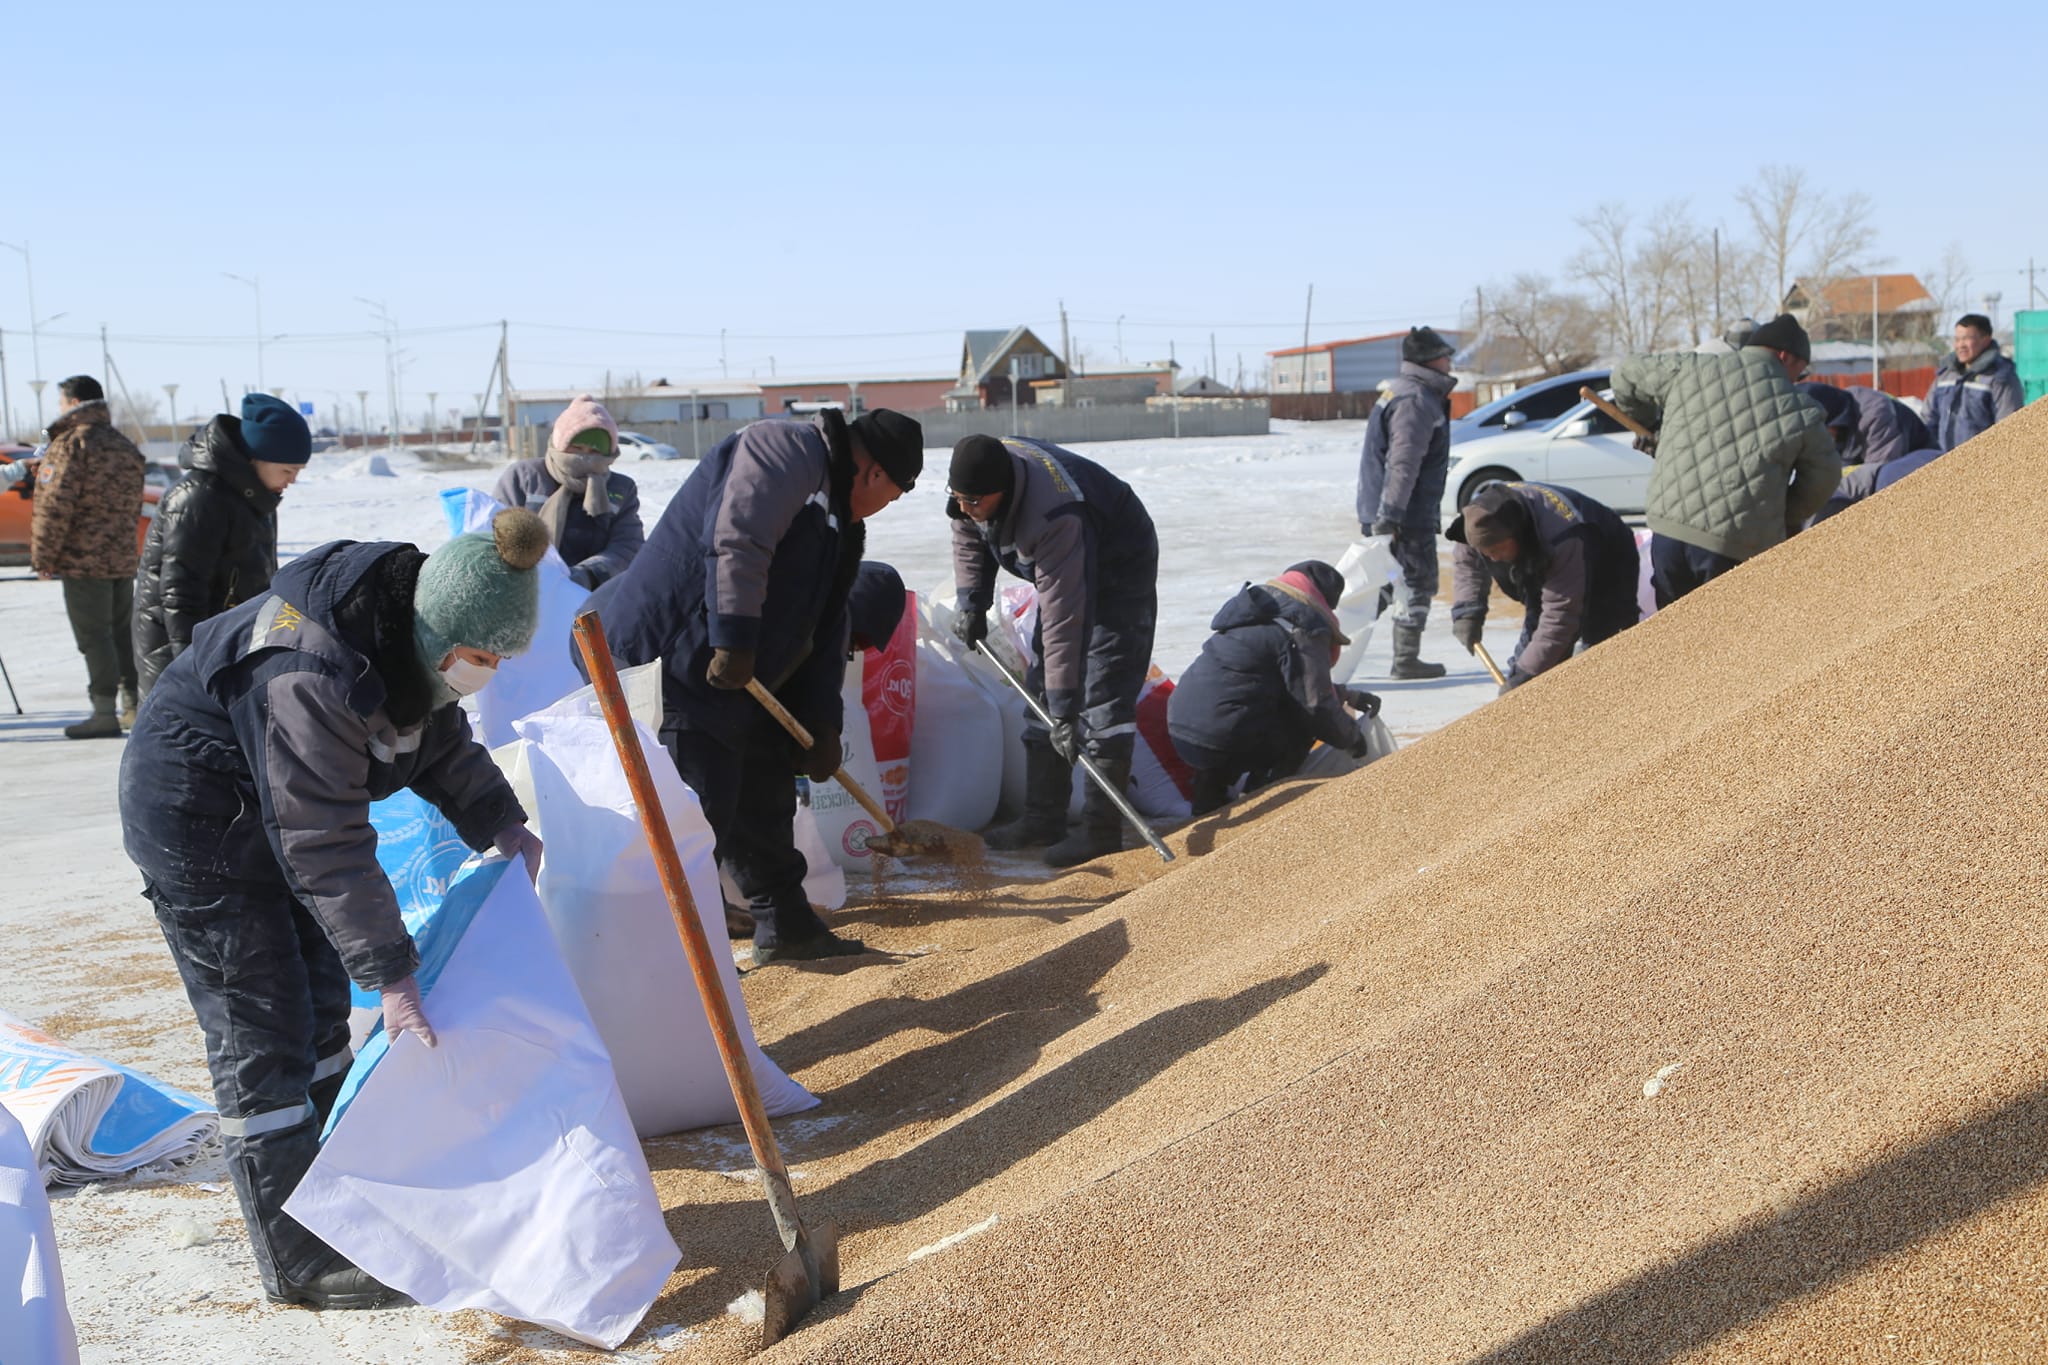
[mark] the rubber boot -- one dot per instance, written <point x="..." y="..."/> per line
<point x="1101" y="832"/>
<point x="103" y="723"/>
<point x="1046" y="783"/>
<point x="1407" y="666"/>
<point x="793" y="932"/>
<point x="130" y="704"/>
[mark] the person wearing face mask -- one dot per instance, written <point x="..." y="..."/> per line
<point x="1259" y="696"/>
<point x="1567" y="558"/>
<point x="213" y="542"/>
<point x="747" y="576"/>
<point x="245" y="802"/>
<point x="592" y="514"/>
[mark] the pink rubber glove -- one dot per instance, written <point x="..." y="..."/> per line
<point x="514" y="840"/>
<point x="404" y="1013"/>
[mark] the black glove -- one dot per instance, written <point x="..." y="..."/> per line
<point x="821" y="760"/>
<point x="1361" y="746"/>
<point x="730" y="669"/>
<point x="1466" y="631"/>
<point x="1066" y="739"/>
<point x="1385" y="528"/>
<point x="971" y="627"/>
<point x="1362" y="701"/>
<point x="1646" y="443"/>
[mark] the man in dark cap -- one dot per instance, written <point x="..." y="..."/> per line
<point x="1259" y="696"/>
<point x="1401" y="477"/>
<point x="1567" y="558"/>
<point x="747" y="575"/>
<point x="1081" y="537"/>
<point x="82" y="532"/>
<point x="1742" y="458"/>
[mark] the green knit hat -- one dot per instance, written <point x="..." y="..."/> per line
<point x="480" y="590"/>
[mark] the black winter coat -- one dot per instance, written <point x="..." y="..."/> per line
<point x="212" y="546"/>
<point x="1261" y="686"/>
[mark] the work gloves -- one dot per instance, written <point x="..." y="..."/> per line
<point x="1647" y="444"/>
<point x="514" y="840"/>
<point x="971" y="627"/>
<point x="403" y="1012"/>
<point x="1466" y="631"/>
<point x="1383" y="527"/>
<point x="730" y="669"/>
<point x="1066" y="739"/>
<point x="1362" y="701"/>
<point x="1361" y="746"/>
<point x="821" y="760"/>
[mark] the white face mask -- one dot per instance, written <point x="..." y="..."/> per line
<point x="464" y="677"/>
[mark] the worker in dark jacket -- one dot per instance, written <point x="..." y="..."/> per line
<point x="1974" y="386"/>
<point x="1259" y="696"/>
<point x="592" y="514"/>
<point x="213" y="543"/>
<point x="1401" y="476"/>
<point x="245" y="802"/>
<point x="1081" y="537"/>
<point x="1565" y="557"/>
<point x="746" y="577"/>
<point x="1885" y="428"/>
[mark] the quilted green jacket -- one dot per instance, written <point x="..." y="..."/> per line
<point x="1741" y="456"/>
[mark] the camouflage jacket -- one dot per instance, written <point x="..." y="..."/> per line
<point x="88" y="498"/>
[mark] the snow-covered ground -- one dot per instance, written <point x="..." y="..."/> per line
<point x="157" y="1267"/>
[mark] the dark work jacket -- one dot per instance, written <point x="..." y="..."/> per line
<point x="212" y="545"/>
<point x="1578" y="582"/>
<point x="1965" y="400"/>
<point x="254" y="760"/>
<point x="1261" y="684"/>
<point x="757" y="550"/>
<point x="1078" y="534"/>
<point x="594" y="548"/>
<point x="1407" y="455"/>
<point x="1885" y="429"/>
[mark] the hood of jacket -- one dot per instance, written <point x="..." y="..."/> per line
<point x="1258" y="605"/>
<point x="362" y="592"/>
<point x="1986" y="361"/>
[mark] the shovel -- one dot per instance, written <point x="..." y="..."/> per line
<point x="1500" y="679"/>
<point x="894" y="840"/>
<point x="809" y="1269"/>
<point x="1612" y="411"/>
<point x="1087" y="764"/>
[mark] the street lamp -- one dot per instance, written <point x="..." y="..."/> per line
<point x="363" y="402"/>
<point x="171" y="392"/>
<point x="383" y="315"/>
<point x="34" y="342"/>
<point x="257" y="285"/>
<point x="433" y="420"/>
<point x="1119" y="338"/>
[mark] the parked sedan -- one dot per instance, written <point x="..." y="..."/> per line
<point x="1532" y="405"/>
<point x="1584" y="449"/>
<point x="632" y="445"/>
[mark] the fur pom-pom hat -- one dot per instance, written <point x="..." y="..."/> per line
<point x="480" y="590"/>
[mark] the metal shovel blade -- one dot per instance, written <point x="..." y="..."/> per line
<point x="807" y="1272"/>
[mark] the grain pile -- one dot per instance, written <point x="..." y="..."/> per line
<point x="1689" y="1002"/>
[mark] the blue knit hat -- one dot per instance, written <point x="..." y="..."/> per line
<point x="480" y="590"/>
<point x="273" y="430"/>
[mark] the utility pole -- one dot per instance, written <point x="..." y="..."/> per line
<point x="1307" y="313"/>
<point x="1173" y="387"/>
<point x="696" y="450"/>
<point x="1876" y="381"/>
<point x="1013" y="395"/>
<point x="1067" y="356"/>
<point x="433" y="421"/>
<point x="35" y="342"/>
<point x="1717" y="281"/>
<point x="363" y="402"/>
<point x="1212" y="355"/>
<point x="256" y="284"/>
<point x="723" y="372"/>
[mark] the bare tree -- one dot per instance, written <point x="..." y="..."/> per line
<point x="1778" y="211"/>
<point x="1949" y="285"/>
<point x="1603" y="265"/>
<point x="1558" y="331"/>
<point x="1828" y="238"/>
<point x="1652" y="288"/>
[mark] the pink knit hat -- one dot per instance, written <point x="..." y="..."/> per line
<point x="584" y="414"/>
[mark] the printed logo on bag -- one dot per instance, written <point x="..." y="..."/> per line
<point x="899" y="685"/>
<point x="855" y="840"/>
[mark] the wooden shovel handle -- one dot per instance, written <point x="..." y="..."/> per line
<point x="682" y="907"/>
<point x="1499" y="678"/>
<point x="1612" y="411"/>
<point x="802" y="736"/>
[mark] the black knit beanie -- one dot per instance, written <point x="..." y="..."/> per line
<point x="1328" y="581"/>
<point x="894" y="442"/>
<point x="1783" y="333"/>
<point x="980" y="465"/>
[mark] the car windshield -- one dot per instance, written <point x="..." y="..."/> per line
<point x="1539" y="402"/>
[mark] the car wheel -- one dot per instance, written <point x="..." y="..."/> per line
<point x="1484" y="476"/>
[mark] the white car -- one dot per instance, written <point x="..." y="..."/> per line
<point x="1585" y="449"/>
<point x="1533" y="405"/>
<point x="633" y="444"/>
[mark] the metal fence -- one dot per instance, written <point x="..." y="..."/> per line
<point x="1111" y="422"/>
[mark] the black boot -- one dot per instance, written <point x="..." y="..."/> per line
<point x="344" y="1287"/>
<point x="794" y="933"/>
<point x="1408" y="667"/>
<point x="1102" y="825"/>
<point x="1046" y="783"/>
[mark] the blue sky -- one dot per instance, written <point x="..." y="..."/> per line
<point x="846" y="189"/>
